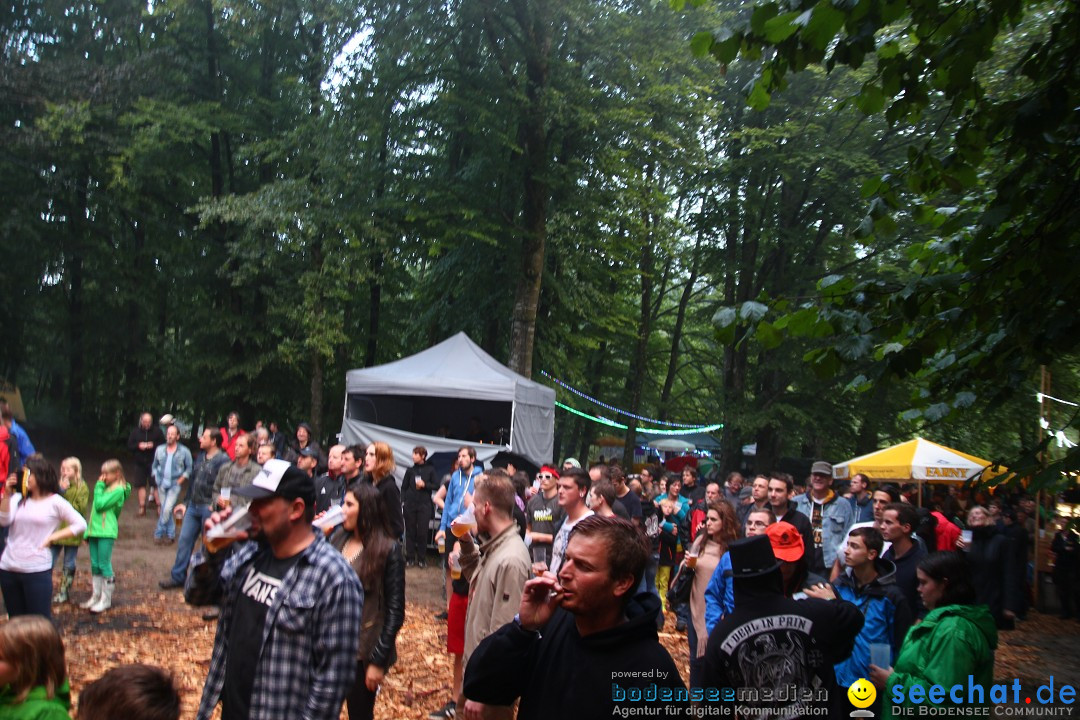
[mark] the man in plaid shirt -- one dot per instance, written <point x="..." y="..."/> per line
<point x="287" y="640"/>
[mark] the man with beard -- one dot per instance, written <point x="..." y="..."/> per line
<point x="289" y="632"/>
<point x="197" y="508"/>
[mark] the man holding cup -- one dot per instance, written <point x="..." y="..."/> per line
<point x="868" y="583"/>
<point x="497" y="571"/>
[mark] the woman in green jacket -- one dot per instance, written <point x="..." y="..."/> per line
<point x="956" y="639"/>
<point x="75" y="491"/>
<point x="33" y="674"/>
<point x="110" y="493"/>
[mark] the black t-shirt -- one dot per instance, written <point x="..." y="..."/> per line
<point x="632" y="503"/>
<point x="257" y="591"/>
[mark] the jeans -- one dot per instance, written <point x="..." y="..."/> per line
<point x="166" y="526"/>
<point x="194" y="519"/>
<point x="27" y="593"/>
<point x="70" y="553"/>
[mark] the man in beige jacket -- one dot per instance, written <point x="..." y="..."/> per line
<point x="497" y="571"/>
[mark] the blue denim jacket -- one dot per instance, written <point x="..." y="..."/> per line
<point x="181" y="466"/>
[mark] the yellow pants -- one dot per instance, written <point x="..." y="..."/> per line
<point x="663" y="577"/>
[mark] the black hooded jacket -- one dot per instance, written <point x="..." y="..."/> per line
<point x="557" y="673"/>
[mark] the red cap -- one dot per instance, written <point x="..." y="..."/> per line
<point x="787" y="542"/>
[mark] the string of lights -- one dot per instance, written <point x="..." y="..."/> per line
<point x="651" y="431"/>
<point x="612" y="408"/>
<point x="1058" y="435"/>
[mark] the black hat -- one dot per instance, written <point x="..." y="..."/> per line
<point x="752" y="557"/>
<point x="279" y="478"/>
<point x="309" y="452"/>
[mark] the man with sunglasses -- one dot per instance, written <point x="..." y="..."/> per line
<point x="543" y="514"/>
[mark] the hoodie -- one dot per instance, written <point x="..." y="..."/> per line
<point x="558" y="673"/>
<point x="886" y="618"/>
<point x="950" y="643"/>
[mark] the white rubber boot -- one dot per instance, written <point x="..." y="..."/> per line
<point x="96" y="596"/>
<point x="107" y="586"/>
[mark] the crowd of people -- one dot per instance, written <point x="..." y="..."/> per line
<point x="556" y="583"/>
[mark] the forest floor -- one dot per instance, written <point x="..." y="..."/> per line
<point x="150" y="625"/>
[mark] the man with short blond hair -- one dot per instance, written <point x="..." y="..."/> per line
<point x="497" y="571"/>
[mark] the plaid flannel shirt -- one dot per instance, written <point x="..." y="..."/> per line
<point x="310" y="640"/>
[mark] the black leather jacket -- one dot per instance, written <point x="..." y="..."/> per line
<point x="384" y="608"/>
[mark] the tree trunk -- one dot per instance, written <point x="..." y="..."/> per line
<point x="533" y="135"/>
<point x="676" y="333"/>
<point x="636" y="379"/>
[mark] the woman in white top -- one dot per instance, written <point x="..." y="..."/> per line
<point x="32" y="521"/>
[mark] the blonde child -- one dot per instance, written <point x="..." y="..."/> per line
<point x="77" y="493"/>
<point x="33" y="674"/>
<point x="110" y="493"/>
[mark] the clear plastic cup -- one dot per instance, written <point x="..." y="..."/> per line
<point x="330" y="519"/>
<point x="225" y="533"/>
<point x="455" y="566"/>
<point x="464" y="523"/>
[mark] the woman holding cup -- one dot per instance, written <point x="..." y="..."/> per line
<point x="719" y="529"/>
<point x="365" y="539"/>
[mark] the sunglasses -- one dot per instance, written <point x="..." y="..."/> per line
<point x="544" y="476"/>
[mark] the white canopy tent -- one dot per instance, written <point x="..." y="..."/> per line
<point x="433" y="397"/>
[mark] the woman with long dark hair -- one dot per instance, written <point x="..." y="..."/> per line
<point x="33" y="515"/>
<point x="708" y="547"/>
<point x="365" y="540"/>
<point x="954" y="641"/>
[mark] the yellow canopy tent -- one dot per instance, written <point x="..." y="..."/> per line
<point x="919" y="460"/>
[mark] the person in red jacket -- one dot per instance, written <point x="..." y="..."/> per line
<point x="946" y="532"/>
<point x="229" y="435"/>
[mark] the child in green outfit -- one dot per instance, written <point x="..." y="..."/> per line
<point x="33" y="675"/>
<point x="77" y="492"/>
<point x="110" y="493"/>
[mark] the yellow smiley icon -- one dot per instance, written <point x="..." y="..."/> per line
<point x="862" y="693"/>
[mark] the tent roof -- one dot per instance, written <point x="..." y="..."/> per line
<point x="916" y="459"/>
<point x="457" y="367"/>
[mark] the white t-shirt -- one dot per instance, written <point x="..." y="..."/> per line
<point x="29" y="524"/>
<point x="562" y="537"/>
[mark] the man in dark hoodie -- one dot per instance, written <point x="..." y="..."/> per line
<point x="868" y="582"/>
<point x="776" y="653"/>
<point x="583" y="644"/>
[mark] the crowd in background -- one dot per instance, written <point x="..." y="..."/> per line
<point x="898" y="556"/>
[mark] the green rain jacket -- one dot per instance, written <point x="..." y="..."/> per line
<point x="79" y="497"/>
<point x="950" y="643"/>
<point x="108" y="502"/>
<point x="36" y="706"/>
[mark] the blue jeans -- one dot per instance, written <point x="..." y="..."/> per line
<point x="194" y="519"/>
<point x="70" y="552"/>
<point x="27" y="593"/>
<point x="166" y="526"/>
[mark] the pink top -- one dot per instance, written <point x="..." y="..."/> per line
<point x="30" y="524"/>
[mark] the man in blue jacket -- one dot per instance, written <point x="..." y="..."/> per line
<point x="869" y="584"/>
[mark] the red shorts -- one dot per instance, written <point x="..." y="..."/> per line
<point x="455" y="624"/>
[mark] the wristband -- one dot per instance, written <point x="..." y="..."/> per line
<point x="517" y="621"/>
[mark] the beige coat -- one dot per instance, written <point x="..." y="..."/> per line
<point x="496" y="574"/>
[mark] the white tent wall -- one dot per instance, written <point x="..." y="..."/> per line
<point x="445" y="386"/>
